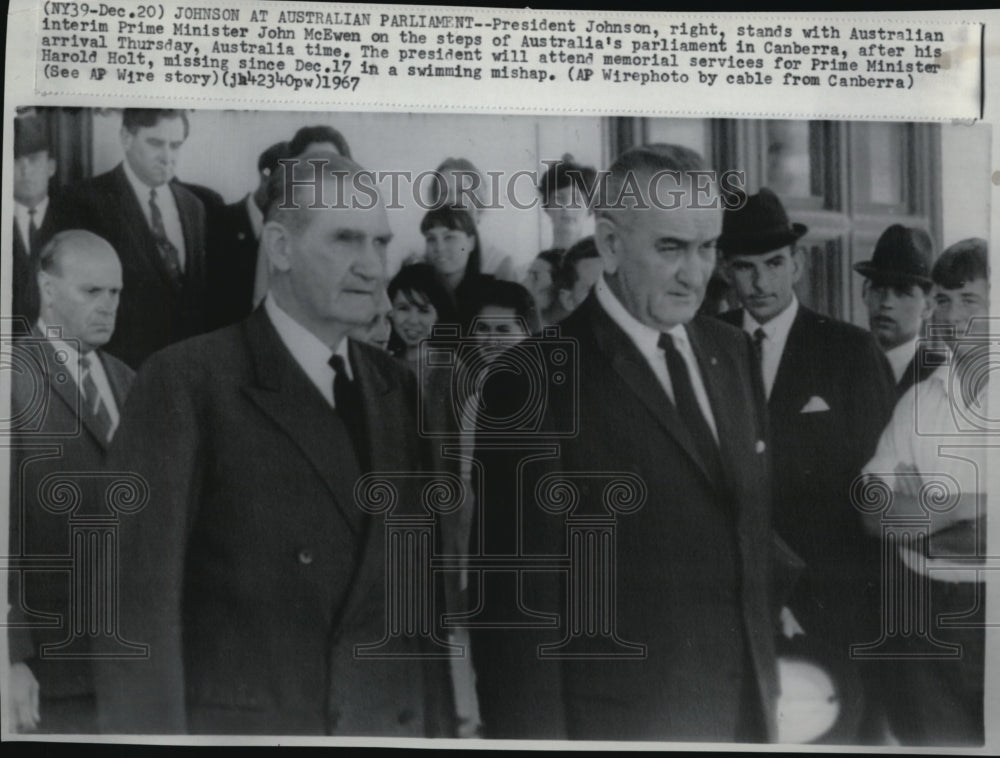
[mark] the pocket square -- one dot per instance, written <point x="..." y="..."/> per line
<point x="815" y="405"/>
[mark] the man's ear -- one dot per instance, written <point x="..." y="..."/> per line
<point x="928" y="310"/>
<point x="45" y="286"/>
<point x="566" y="300"/>
<point x="277" y="243"/>
<point x="798" y="264"/>
<point x="607" y="238"/>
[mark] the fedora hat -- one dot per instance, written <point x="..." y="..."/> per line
<point x="30" y="135"/>
<point x="758" y="226"/>
<point x="902" y="254"/>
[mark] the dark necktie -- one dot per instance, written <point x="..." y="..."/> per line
<point x="758" y="350"/>
<point x="167" y="250"/>
<point x="687" y="405"/>
<point x="347" y="399"/>
<point x="32" y="232"/>
<point x="758" y="344"/>
<point x="93" y="403"/>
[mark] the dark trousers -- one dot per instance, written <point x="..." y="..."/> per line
<point x="939" y="702"/>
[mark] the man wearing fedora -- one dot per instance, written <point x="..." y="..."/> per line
<point x="897" y="294"/>
<point x="37" y="215"/>
<point x="829" y="391"/>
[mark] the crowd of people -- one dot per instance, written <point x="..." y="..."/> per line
<point x="251" y="364"/>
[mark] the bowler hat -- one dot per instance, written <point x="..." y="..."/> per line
<point x="758" y="226"/>
<point x="30" y="135"/>
<point x="902" y="254"/>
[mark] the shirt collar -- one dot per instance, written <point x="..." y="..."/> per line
<point x="256" y="216"/>
<point x="777" y="328"/>
<point x="900" y="356"/>
<point x="646" y="338"/>
<point x="142" y="189"/>
<point x="308" y="350"/>
<point x="40" y="208"/>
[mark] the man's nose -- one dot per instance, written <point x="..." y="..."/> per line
<point x="692" y="269"/>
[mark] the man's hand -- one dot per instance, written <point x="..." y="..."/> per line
<point x="23" y="698"/>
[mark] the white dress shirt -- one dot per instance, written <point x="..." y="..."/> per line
<point x="775" y="337"/>
<point x="22" y="215"/>
<point x="646" y="340"/>
<point x="900" y="356"/>
<point x="168" y="209"/>
<point x="307" y="349"/>
<point x="95" y="367"/>
<point x="929" y="431"/>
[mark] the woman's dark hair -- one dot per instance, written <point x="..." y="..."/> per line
<point x="462" y="221"/>
<point x="421" y="280"/>
<point x="489" y="290"/>
<point x="566" y="173"/>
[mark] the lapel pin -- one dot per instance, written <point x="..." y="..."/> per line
<point x="760" y="446"/>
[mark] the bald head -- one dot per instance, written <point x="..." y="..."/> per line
<point x="80" y="281"/>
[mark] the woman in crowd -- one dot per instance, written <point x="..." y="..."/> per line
<point x="461" y="172"/>
<point x="452" y="247"/>
<point x="566" y="189"/>
<point x="419" y="301"/>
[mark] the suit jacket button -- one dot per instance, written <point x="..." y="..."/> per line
<point x="305" y="556"/>
<point x="406" y="716"/>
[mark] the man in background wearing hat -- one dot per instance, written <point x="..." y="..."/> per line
<point x="236" y="270"/>
<point x="37" y="216"/>
<point x="830" y="392"/>
<point x="897" y="294"/>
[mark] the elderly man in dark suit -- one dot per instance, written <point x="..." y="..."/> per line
<point x="80" y="281"/>
<point x="251" y="574"/>
<point x="829" y="393"/>
<point x="158" y="228"/>
<point x="897" y="293"/>
<point x="669" y="400"/>
<point x="37" y="214"/>
<point x="236" y="266"/>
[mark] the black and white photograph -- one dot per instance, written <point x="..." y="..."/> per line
<point x="497" y="427"/>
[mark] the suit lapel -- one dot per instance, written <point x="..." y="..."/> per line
<point x="187" y="212"/>
<point x="284" y="393"/>
<point x="793" y="362"/>
<point x="119" y="381"/>
<point x="68" y="391"/>
<point x="634" y="370"/>
<point x="718" y="372"/>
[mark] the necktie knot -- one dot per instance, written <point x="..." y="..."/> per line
<point x="666" y="343"/>
<point x="759" y="335"/>
<point x="339" y="365"/>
